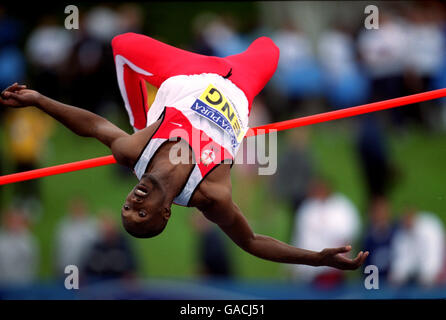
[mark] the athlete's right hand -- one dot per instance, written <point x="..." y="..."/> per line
<point x="17" y="96"/>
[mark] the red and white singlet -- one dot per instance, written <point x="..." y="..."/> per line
<point x="203" y="100"/>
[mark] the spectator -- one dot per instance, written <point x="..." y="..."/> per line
<point x="324" y="220"/>
<point x="213" y="255"/>
<point x="75" y="235"/>
<point x="19" y="255"/>
<point x="439" y="78"/>
<point x="111" y="256"/>
<point x="427" y="59"/>
<point x="345" y="83"/>
<point x="92" y="56"/>
<point x="12" y="62"/>
<point x="425" y="55"/>
<point x="295" y="168"/>
<point x="48" y="49"/>
<point x="220" y="33"/>
<point x="379" y="236"/>
<point x="418" y="249"/>
<point x="383" y="53"/>
<point x="373" y="155"/>
<point x="130" y="18"/>
<point x="294" y="171"/>
<point x="298" y="76"/>
<point x="200" y="42"/>
<point x="27" y="131"/>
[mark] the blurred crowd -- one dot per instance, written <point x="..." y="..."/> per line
<point x="95" y="244"/>
<point x="345" y="66"/>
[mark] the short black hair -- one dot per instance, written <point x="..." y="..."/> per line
<point x="143" y="229"/>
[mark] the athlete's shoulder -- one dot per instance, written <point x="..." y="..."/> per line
<point x="215" y="189"/>
<point x="127" y="149"/>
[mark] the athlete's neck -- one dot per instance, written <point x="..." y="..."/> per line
<point x="172" y="176"/>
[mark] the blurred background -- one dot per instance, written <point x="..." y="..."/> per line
<point x="376" y="181"/>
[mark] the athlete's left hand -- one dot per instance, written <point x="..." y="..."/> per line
<point x="333" y="257"/>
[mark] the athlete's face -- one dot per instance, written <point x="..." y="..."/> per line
<point x="144" y="214"/>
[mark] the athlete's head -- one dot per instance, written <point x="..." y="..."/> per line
<point x="145" y="212"/>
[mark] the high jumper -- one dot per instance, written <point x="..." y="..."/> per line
<point x="198" y="96"/>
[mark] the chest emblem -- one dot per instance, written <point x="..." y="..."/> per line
<point x="207" y="157"/>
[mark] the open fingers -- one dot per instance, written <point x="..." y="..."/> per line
<point x="6" y="102"/>
<point x="341" y="249"/>
<point x="10" y="88"/>
<point x="13" y="88"/>
<point x="350" y="264"/>
<point x="13" y="95"/>
<point x="360" y="258"/>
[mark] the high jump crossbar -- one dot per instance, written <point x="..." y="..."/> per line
<point x="277" y="126"/>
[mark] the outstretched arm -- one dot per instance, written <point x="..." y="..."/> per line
<point x="231" y="220"/>
<point x="82" y="122"/>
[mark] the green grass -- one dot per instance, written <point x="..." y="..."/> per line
<point x="420" y="156"/>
